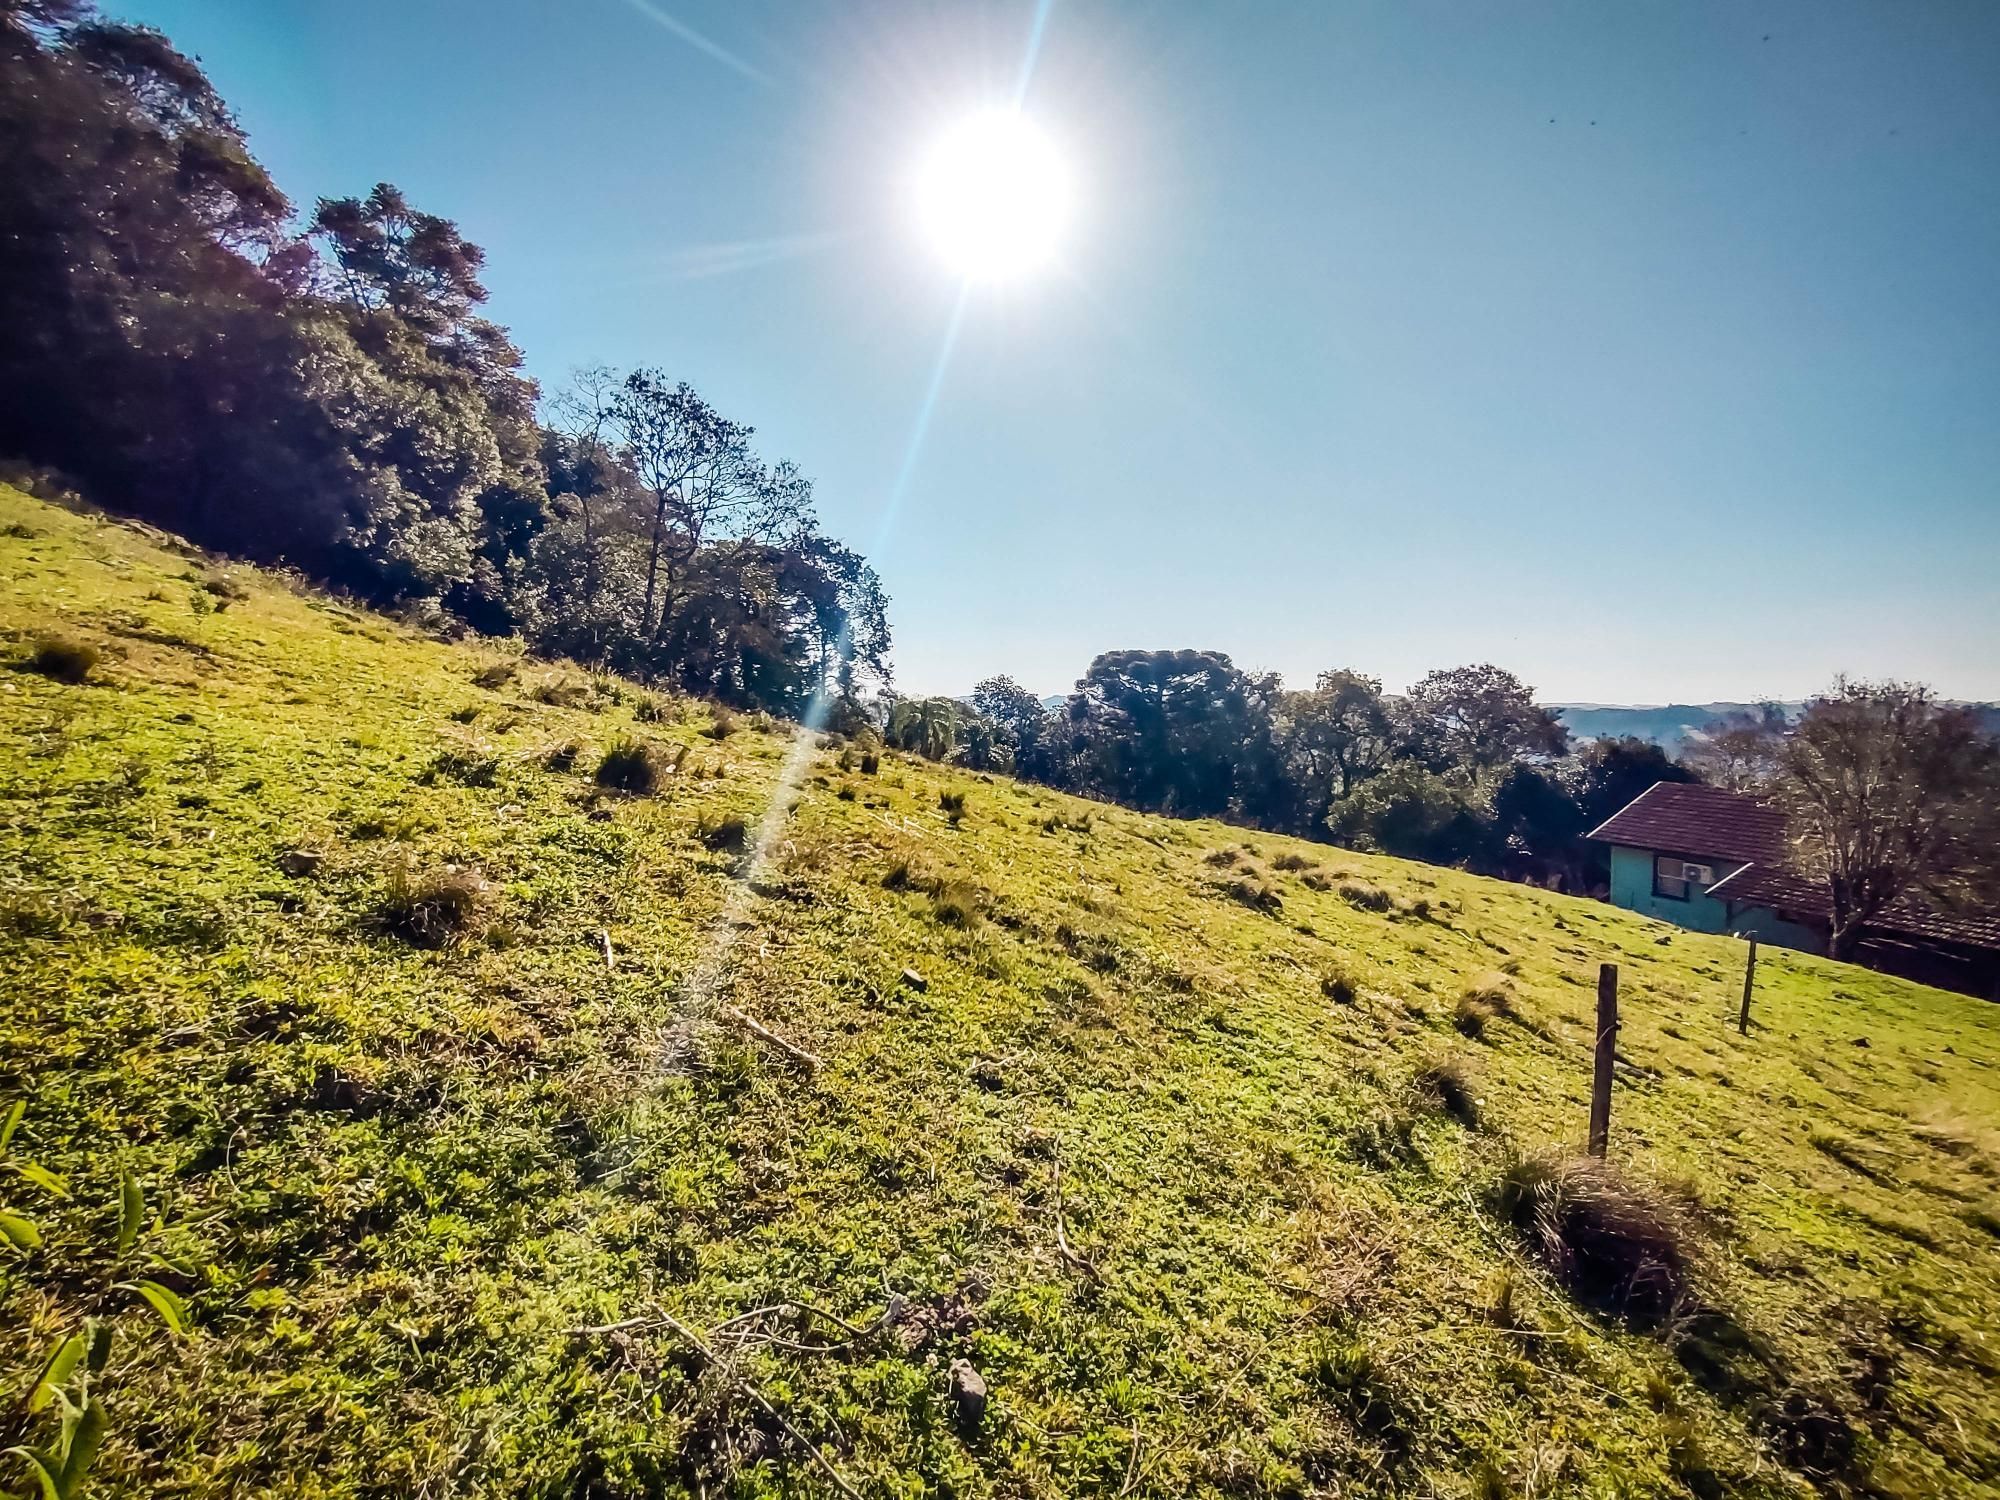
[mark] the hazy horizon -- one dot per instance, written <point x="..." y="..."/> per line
<point x="1647" y="353"/>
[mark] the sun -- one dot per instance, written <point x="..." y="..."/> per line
<point x="993" y="197"/>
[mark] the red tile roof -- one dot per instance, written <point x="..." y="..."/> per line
<point x="1678" y="818"/>
<point x="1775" y="885"/>
<point x="1672" y="818"/>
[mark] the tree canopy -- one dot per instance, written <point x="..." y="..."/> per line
<point x="327" y="393"/>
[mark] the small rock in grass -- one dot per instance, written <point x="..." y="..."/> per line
<point x="968" y="1394"/>
<point x="986" y="1073"/>
<point x="915" y="980"/>
<point x="300" y="862"/>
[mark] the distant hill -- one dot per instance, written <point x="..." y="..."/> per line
<point x="1668" y="725"/>
<point x="1672" y="725"/>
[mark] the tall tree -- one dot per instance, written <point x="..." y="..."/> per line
<point x="1018" y="715"/>
<point x="1480" y="718"/>
<point x="704" y="481"/>
<point x="1891" y="795"/>
<point x="1331" y="737"/>
<point x="1183" y="732"/>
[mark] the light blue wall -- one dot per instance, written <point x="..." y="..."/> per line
<point x="1632" y="888"/>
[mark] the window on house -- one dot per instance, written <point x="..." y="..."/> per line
<point x="1670" y="877"/>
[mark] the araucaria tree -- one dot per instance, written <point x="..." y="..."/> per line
<point x="1892" y="796"/>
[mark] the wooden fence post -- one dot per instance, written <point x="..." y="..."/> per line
<point x="1749" y="978"/>
<point x="1607" y="1056"/>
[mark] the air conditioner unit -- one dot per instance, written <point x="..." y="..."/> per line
<point x="1698" y="874"/>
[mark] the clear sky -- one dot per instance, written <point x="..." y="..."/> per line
<point x="1651" y="351"/>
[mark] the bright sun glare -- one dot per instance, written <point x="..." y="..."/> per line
<point x="994" y="197"/>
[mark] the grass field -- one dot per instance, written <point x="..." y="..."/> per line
<point x="1187" y="1141"/>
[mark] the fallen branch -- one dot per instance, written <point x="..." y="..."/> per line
<point x="805" y="1307"/>
<point x="763" y="1403"/>
<point x="764" y="1033"/>
<point x="1132" y="1463"/>
<point x="623" y="1325"/>
<point x="1070" y="1257"/>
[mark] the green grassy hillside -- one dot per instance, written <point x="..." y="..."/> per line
<point x="1157" y="1126"/>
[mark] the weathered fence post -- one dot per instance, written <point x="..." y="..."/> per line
<point x="1749" y="978"/>
<point x="1607" y="1055"/>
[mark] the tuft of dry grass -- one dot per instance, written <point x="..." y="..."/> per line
<point x="1612" y="1243"/>
<point x="959" y="903"/>
<point x="727" y="834"/>
<point x="1489" y="998"/>
<point x="1338" y="986"/>
<point x="1254" y="893"/>
<point x="563" y="757"/>
<point x="63" y="658"/>
<point x="435" y="908"/>
<point x="635" y="766"/>
<point x="496" y="674"/>
<point x="721" y="725"/>
<point x="1364" y="897"/>
<point x="561" y="691"/>
<point x="1449" y="1083"/>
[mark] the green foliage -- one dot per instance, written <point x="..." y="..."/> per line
<point x="67" y="1381"/>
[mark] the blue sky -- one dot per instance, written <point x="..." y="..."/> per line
<point x="1650" y="351"/>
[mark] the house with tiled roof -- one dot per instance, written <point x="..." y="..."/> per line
<point x="1719" y="861"/>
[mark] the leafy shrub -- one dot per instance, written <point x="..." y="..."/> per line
<point x="434" y="908"/>
<point x="63" y="658"/>
<point x="633" y="766"/>
<point x="1613" y="1244"/>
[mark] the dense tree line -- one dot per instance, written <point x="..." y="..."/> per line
<point x="1463" y="769"/>
<point x="321" y="389"/>
<point x="1891" y="795"/>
